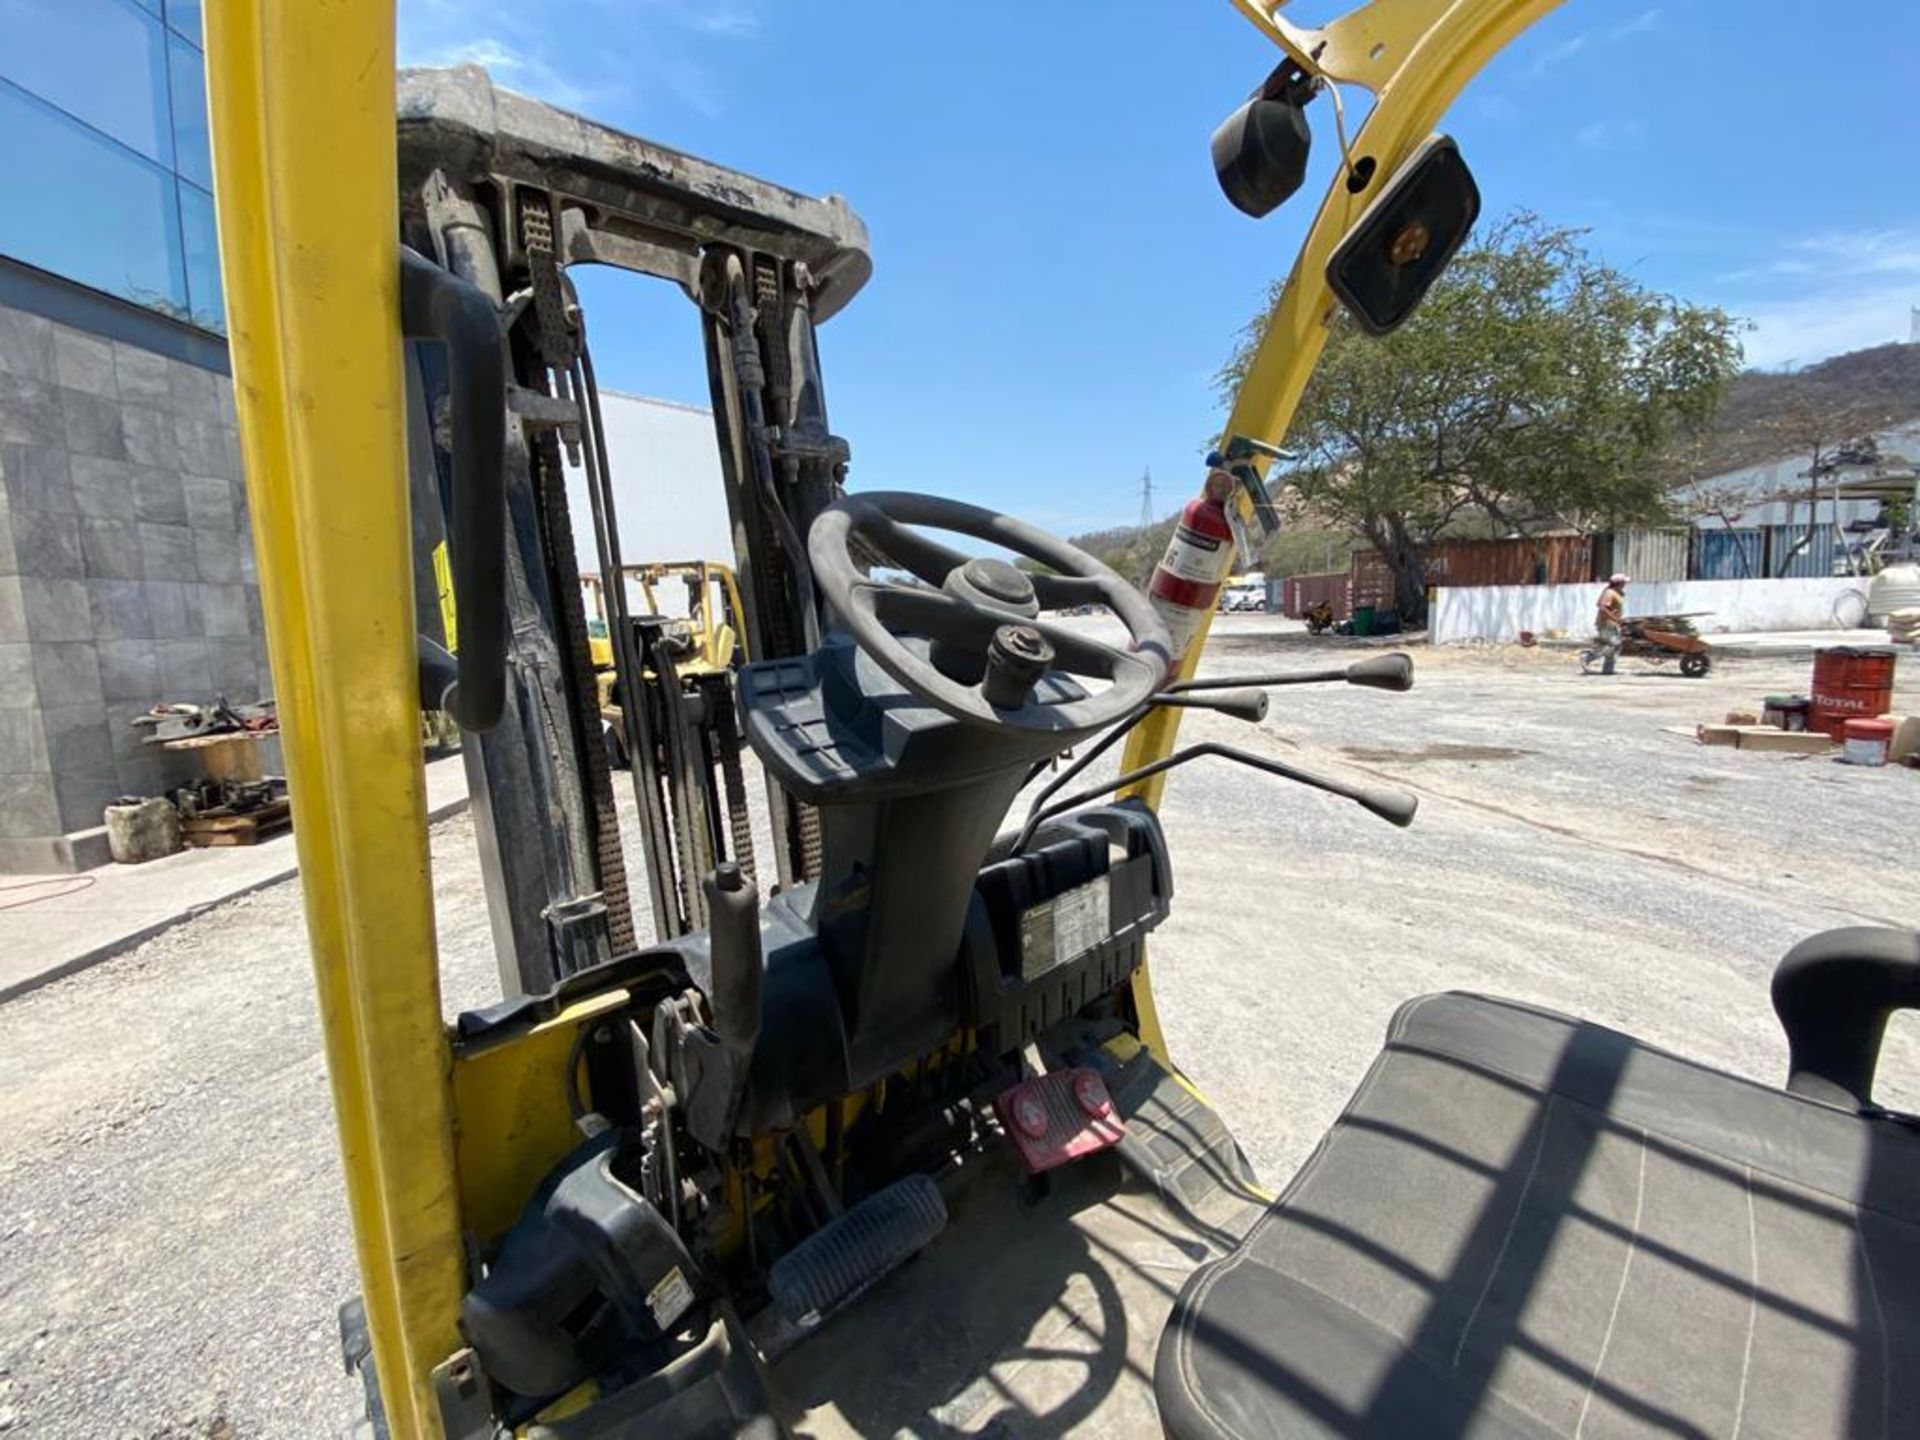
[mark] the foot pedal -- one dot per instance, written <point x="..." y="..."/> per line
<point x="1060" y="1116"/>
<point x="840" y="1260"/>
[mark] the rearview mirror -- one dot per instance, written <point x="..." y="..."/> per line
<point x="1260" y="150"/>
<point x="1382" y="270"/>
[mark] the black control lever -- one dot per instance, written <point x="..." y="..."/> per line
<point x="436" y="304"/>
<point x="1249" y="705"/>
<point x="1395" y="806"/>
<point x="1378" y="672"/>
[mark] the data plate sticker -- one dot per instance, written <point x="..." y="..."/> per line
<point x="670" y="1298"/>
<point x="1062" y="928"/>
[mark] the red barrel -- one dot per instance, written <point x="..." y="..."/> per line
<point x="1850" y="682"/>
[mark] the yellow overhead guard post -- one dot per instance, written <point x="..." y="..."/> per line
<point x="302" y="101"/>
<point x="1415" y="56"/>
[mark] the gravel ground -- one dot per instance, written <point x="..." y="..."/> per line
<point x="173" y="1237"/>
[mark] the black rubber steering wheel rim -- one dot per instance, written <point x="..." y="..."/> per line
<point x="873" y="610"/>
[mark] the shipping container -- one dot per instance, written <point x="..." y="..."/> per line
<point x="1302" y="592"/>
<point x="1647" y="555"/>
<point x="1728" y="555"/>
<point x="1813" y="561"/>
<point x="1528" y="560"/>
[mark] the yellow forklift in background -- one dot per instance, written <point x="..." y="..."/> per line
<point x="887" y="1139"/>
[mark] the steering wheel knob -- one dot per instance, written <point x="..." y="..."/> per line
<point x="1017" y="656"/>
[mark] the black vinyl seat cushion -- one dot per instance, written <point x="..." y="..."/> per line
<point x="1526" y="1225"/>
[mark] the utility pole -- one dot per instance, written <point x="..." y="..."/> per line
<point x="1146" y="499"/>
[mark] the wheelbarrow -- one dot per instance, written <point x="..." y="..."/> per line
<point x="1660" y="638"/>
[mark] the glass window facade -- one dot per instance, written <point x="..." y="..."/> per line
<point x="104" y="106"/>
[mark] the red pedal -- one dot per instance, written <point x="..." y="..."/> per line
<point x="1059" y="1117"/>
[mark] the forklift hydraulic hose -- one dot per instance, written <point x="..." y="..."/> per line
<point x="436" y="304"/>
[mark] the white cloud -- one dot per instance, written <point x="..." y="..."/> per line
<point x="1805" y="329"/>
<point x="1558" y="54"/>
<point x="596" y="55"/>
<point x="1869" y="252"/>
<point x="512" y="67"/>
<point x="1641" y="24"/>
<point x="1826" y="293"/>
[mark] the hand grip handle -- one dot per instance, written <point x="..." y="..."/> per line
<point x="436" y="304"/>
<point x="1383" y="672"/>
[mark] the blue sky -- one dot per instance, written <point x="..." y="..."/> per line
<point x="1057" y="277"/>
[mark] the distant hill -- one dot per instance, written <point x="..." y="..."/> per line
<point x="1876" y="387"/>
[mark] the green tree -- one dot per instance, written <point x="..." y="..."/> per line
<point x="1534" y="389"/>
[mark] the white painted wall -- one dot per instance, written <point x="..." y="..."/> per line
<point x="1500" y="612"/>
<point x="669" y="498"/>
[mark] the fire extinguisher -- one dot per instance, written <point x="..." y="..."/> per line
<point x="1186" y="583"/>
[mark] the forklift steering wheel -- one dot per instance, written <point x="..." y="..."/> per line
<point x="984" y="612"/>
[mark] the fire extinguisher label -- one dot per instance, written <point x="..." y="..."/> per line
<point x="1193" y="556"/>
<point x="1182" y="622"/>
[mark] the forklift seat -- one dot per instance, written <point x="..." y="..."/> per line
<point x="1526" y="1225"/>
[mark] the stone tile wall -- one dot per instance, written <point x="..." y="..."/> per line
<point x="126" y="570"/>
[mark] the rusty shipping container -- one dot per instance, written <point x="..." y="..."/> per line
<point x="1529" y="560"/>
<point x="1301" y="593"/>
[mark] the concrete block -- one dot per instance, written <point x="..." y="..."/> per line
<point x="93" y="425"/>
<point x="127" y="739"/>
<point x="236" y="668"/>
<point x="173" y="618"/>
<point x="142" y="375"/>
<point x="209" y="502"/>
<point x="140" y="775"/>
<point x="186" y="676"/>
<point x="223" y="611"/>
<point x="37" y="477"/>
<point x="102" y="488"/>
<point x="56" y="609"/>
<point x="195" y="391"/>
<point x="149" y="436"/>
<point x="67" y="674"/>
<point x="217" y="556"/>
<point x="1784" y="742"/>
<point x="77" y="738"/>
<point x="28" y="809"/>
<point x="23" y="742"/>
<point x="158" y="497"/>
<point x="129" y="673"/>
<point x="111" y="549"/>
<point x="83" y="797"/>
<point x="47" y="545"/>
<point x="120" y="610"/>
<point x="203" y="446"/>
<point x="26" y="345"/>
<point x="83" y="362"/>
<point x="30" y="412"/>
<point x="17" y="687"/>
<point x="13" y="611"/>
<point x="167" y="552"/>
<point x="223" y="401"/>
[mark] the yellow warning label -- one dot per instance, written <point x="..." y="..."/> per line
<point x="443" y="585"/>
